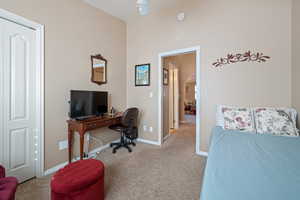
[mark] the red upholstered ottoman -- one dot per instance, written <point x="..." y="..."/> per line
<point x="81" y="180"/>
<point x="8" y="186"/>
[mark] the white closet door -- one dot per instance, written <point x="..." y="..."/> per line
<point x="176" y="98"/>
<point x="18" y="99"/>
<point x="171" y="98"/>
<point x="1" y="95"/>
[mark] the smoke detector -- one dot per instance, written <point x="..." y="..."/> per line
<point x="181" y="16"/>
<point x="143" y="7"/>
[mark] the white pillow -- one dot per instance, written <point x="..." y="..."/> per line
<point x="240" y="119"/>
<point x="276" y="121"/>
<point x="291" y="111"/>
<point x="219" y="116"/>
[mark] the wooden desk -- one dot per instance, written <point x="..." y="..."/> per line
<point x="84" y="126"/>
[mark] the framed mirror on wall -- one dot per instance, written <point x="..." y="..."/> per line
<point x="99" y="69"/>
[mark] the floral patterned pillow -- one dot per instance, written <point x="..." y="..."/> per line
<point x="274" y="121"/>
<point x="238" y="119"/>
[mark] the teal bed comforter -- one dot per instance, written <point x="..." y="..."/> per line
<point x="247" y="166"/>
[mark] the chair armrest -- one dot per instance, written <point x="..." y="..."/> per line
<point x="2" y="172"/>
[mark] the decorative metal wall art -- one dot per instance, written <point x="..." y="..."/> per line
<point x="246" y="57"/>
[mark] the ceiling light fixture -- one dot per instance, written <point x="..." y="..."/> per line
<point x="143" y="7"/>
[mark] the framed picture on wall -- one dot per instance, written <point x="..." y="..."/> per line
<point x="166" y="76"/>
<point x="142" y="75"/>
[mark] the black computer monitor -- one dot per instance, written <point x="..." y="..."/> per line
<point x="84" y="104"/>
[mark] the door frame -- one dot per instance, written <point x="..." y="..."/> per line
<point x="196" y="49"/>
<point x="40" y="130"/>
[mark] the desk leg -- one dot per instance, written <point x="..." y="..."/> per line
<point x="81" y="144"/>
<point x="70" y="140"/>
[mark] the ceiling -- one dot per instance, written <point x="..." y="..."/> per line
<point x="126" y="9"/>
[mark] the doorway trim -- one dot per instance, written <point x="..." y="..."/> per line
<point x="39" y="132"/>
<point x="196" y="49"/>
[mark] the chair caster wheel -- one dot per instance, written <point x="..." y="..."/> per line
<point x="130" y="151"/>
<point x="114" y="151"/>
<point x="134" y="144"/>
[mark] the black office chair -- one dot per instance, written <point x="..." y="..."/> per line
<point x="127" y="128"/>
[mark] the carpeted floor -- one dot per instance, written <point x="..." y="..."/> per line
<point x="170" y="172"/>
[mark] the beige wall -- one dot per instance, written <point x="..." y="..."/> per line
<point x="295" y="55"/>
<point x="219" y="27"/>
<point x="73" y="31"/>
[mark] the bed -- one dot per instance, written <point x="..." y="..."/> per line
<point x="249" y="166"/>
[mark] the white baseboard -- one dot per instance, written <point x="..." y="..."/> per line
<point x="203" y="153"/>
<point x="55" y="168"/>
<point x="91" y="154"/>
<point x="148" y="142"/>
<point x="101" y="148"/>
<point x="166" y="137"/>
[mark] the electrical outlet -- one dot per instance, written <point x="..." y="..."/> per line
<point x="151" y="129"/>
<point x="145" y="128"/>
<point x="63" y="144"/>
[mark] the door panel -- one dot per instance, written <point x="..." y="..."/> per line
<point x="18" y="148"/>
<point x="19" y="112"/>
<point x="20" y="52"/>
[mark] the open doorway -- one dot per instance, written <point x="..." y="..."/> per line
<point x="179" y="104"/>
<point x="180" y="94"/>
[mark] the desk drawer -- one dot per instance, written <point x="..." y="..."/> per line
<point x="94" y="125"/>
